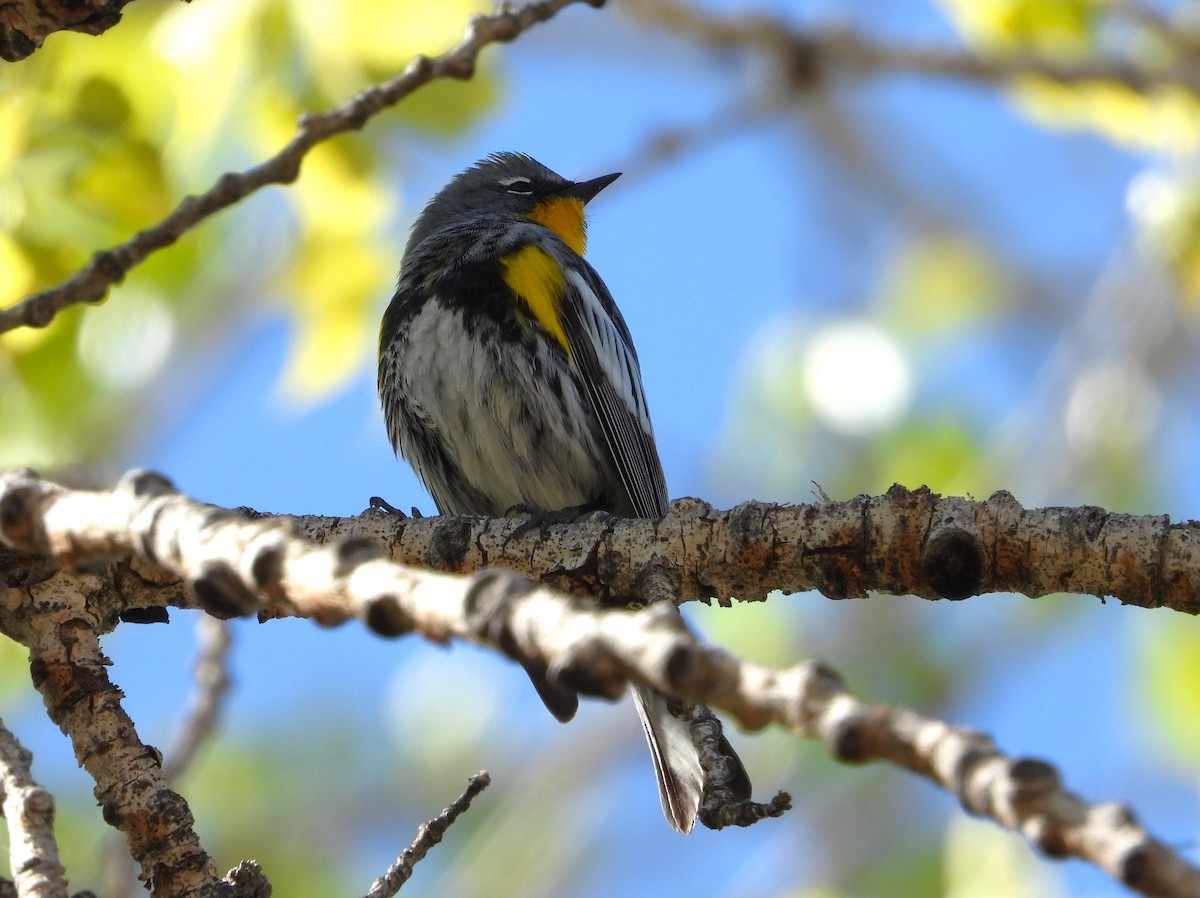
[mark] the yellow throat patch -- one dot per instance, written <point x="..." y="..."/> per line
<point x="533" y="275"/>
<point x="564" y="216"/>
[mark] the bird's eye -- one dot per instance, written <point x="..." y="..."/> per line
<point x="518" y="185"/>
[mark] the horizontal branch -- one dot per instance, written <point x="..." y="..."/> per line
<point x="905" y="542"/>
<point x="238" y="565"/>
<point x="109" y="267"/>
<point x="808" y="55"/>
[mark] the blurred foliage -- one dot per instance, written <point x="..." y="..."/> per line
<point x="103" y="137"/>
<point x="951" y="311"/>
<point x="938" y="284"/>
<point x="937" y="288"/>
<point x="942" y="452"/>
<point x="983" y="861"/>
<point x="1062" y="28"/>
<point x="100" y="137"/>
<point x="1169" y="659"/>
<point x="1165" y="203"/>
<point x="1166" y="119"/>
<point x="14" y="672"/>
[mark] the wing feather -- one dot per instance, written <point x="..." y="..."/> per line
<point x="603" y="351"/>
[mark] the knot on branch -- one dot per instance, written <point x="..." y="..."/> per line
<point x="221" y="592"/>
<point x="953" y="559"/>
<point x="19" y="495"/>
<point x="16" y="45"/>
<point x="850" y="732"/>
<point x="249" y="881"/>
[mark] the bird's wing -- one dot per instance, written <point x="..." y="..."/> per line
<point x="602" y="350"/>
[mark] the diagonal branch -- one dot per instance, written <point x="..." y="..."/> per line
<point x="211" y="672"/>
<point x="211" y="687"/>
<point x="61" y="619"/>
<point x="235" y="565"/>
<point x="429" y="834"/>
<point x="109" y="267"/>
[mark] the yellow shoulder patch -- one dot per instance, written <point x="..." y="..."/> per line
<point x="533" y="275"/>
<point x="564" y="216"/>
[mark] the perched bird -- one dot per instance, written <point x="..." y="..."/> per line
<point x="509" y="379"/>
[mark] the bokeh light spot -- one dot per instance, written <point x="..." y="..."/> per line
<point x="856" y="377"/>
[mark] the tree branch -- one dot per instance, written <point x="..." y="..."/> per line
<point x="109" y="267"/>
<point x="25" y="24"/>
<point x="905" y="542"/>
<point x="29" y="810"/>
<point x="60" y="619"/>
<point x="807" y="56"/>
<point x="429" y="834"/>
<point x="235" y="565"/>
<point x="204" y="709"/>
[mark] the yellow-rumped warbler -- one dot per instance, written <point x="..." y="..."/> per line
<point x="508" y="378"/>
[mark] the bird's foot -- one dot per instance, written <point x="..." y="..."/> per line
<point x="540" y="519"/>
<point x="378" y="503"/>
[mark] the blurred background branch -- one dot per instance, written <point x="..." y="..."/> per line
<point x="806" y="56"/>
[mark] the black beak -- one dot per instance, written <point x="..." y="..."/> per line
<point x="584" y="191"/>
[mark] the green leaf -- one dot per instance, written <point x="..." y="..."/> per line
<point x="939" y="283"/>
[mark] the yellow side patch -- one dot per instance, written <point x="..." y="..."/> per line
<point x="564" y="216"/>
<point x="534" y="276"/>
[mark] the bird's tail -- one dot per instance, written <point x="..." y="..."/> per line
<point x="676" y="764"/>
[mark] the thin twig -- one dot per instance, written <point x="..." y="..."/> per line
<point x="109" y="267"/>
<point x="429" y="834"/>
<point x="211" y="687"/>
